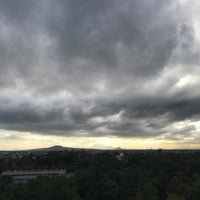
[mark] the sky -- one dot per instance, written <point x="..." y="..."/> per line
<point x="99" y="74"/>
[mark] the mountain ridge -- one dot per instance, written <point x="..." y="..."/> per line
<point x="58" y="148"/>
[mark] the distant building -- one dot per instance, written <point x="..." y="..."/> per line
<point x="24" y="175"/>
<point x="120" y="156"/>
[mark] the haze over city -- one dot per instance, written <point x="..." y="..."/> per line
<point x="99" y="74"/>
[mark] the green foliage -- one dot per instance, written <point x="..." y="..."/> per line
<point x="175" y="197"/>
<point x="42" y="188"/>
<point x="101" y="176"/>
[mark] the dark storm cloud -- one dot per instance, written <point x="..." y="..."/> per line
<point x="97" y="68"/>
<point x="176" y="109"/>
<point x="134" y="36"/>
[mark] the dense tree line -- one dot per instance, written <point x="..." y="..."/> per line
<point x="141" y="176"/>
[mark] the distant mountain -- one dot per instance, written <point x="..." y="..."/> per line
<point x="53" y="148"/>
<point x="118" y="148"/>
<point x="57" y="148"/>
<point x="61" y="148"/>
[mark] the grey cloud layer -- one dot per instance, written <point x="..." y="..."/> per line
<point x="97" y="68"/>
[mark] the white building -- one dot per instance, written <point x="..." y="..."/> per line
<point x="24" y="175"/>
<point x="120" y="156"/>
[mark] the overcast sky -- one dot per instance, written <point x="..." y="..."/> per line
<point x="100" y="73"/>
